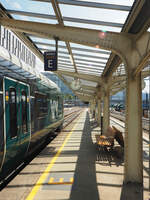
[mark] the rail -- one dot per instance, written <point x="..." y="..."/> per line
<point x="121" y="116"/>
<point x="70" y="115"/>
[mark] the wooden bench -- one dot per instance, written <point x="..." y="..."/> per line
<point x="106" y="140"/>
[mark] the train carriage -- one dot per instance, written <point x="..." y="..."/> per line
<point x="29" y="113"/>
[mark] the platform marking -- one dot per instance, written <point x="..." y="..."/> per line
<point x="71" y="180"/>
<point x="61" y="181"/>
<point x="47" y="170"/>
<point x="51" y="180"/>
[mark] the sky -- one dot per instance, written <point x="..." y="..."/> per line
<point x="147" y="85"/>
<point x="75" y="12"/>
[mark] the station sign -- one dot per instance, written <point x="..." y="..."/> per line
<point x="50" y="61"/>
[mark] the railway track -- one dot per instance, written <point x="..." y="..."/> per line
<point x="70" y="115"/>
<point x="146" y="154"/>
<point x="121" y="116"/>
<point x="121" y="125"/>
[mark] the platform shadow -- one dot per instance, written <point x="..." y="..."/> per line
<point x="85" y="184"/>
<point x="93" y="124"/>
<point x="110" y="157"/>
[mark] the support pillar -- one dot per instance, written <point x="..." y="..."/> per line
<point x="93" y="107"/>
<point x="106" y="110"/>
<point x="133" y="133"/>
<point x="99" y="112"/>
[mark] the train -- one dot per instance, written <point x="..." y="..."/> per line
<point x="29" y="112"/>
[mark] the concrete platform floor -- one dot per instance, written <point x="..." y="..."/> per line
<point x="74" y="170"/>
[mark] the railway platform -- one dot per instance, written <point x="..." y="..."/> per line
<point x="71" y="168"/>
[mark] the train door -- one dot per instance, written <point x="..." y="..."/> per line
<point x="24" y="117"/>
<point x="16" y="123"/>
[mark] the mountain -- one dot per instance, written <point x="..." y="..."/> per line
<point x="121" y="95"/>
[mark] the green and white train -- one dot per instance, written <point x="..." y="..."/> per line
<point x="29" y="112"/>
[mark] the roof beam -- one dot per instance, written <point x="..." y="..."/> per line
<point x="68" y="19"/>
<point x="114" y="60"/>
<point x="118" y="79"/>
<point x="141" y="65"/>
<point x="112" y="40"/>
<point x="137" y="21"/>
<point x="83" y="97"/>
<point x="91" y="4"/>
<point x="83" y="76"/>
<point x="85" y="92"/>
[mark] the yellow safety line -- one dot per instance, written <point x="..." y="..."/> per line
<point x="47" y="171"/>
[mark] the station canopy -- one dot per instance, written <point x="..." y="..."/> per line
<point x="81" y="67"/>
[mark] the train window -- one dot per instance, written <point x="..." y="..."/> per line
<point x="24" y="112"/>
<point x="13" y="112"/>
<point x="41" y="105"/>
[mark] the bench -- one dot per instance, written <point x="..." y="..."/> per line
<point x="106" y="140"/>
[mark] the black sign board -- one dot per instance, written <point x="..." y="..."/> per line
<point x="50" y="61"/>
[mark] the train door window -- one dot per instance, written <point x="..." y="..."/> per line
<point x="24" y="111"/>
<point x="13" y="112"/>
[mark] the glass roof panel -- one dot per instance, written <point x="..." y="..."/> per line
<point x="90" y="53"/>
<point x="66" y="69"/>
<point x="28" y="5"/>
<point x="68" y="78"/>
<point x="33" y="19"/>
<point x="122" y="2"/>
<point x="88" y="60"/>
<point x="146" y="68"/>
<point x="88" y="83"/>
<point x="89" y="72"/>
<point x="92" y="26"/>
<point x="89" y="13"/>
<point x="120" y="70"/>
<point x="73" y="45"/>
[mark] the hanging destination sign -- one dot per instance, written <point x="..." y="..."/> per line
<point x="50" y="61"/>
